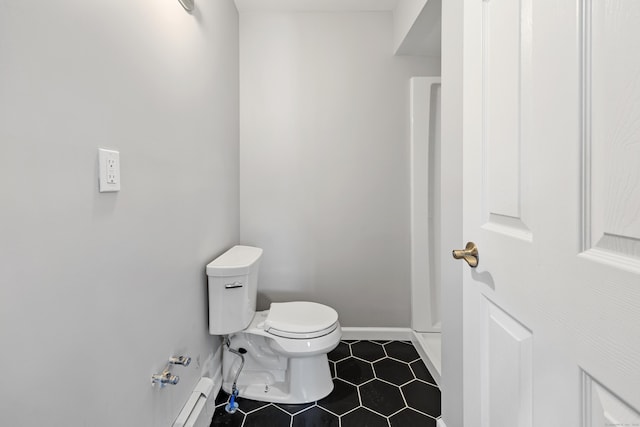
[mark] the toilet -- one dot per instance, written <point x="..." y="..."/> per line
<point x="284" y="348"/>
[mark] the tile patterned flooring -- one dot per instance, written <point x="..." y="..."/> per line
<point x="376" y="383"/>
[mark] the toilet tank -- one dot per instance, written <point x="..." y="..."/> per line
<point x="233" y="287"/>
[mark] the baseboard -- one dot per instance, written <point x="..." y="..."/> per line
<point x="215" y="371"/>
<point x="200" y="407"/>
<point x="217" y="377"/>
<point x="217" y="383"/>
<point x="440" y="423"/>
<point x="431" y="355"/>
<point x="378" y="334"/>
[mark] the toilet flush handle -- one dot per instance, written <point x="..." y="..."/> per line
<point x="233" y="285"/>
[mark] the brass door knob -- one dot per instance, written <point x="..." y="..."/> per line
<point x="469" y="254"/>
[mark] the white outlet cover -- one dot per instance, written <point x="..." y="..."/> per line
<point x="108" y="170"/>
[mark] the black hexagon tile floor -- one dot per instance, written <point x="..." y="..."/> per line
<point x="376" y="383"/>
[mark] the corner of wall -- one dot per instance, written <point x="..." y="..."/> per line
<point x="405" y="14"/>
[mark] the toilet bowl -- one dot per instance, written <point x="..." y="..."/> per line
<point x="287" y="364"/>
<point x="284" y="348"/>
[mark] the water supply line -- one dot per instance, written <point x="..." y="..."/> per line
<point x="232" y="405"/>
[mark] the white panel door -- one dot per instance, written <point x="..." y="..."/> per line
<point x="551" y="186"/>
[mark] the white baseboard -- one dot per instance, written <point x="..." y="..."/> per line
<point x="217" y="368"/>
<point x="215" y="372"/>
<point x="200" y="407"/>
<point x="440" y="423"/>
<point x="380" y="334"/>
<point x="429" y="348"/>
<point x="217" y="384"/>
<point x="210" y="406"/>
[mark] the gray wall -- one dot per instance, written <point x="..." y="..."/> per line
<point x="325" y="160"/>
<point x="98" y="290"/>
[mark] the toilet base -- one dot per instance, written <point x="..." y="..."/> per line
<point x="310" y="380"/>
<point x="271" y="377"/>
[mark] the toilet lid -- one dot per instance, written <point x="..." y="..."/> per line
<point x="300" y="317"/>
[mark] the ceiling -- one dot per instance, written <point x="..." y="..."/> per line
<point x="417" y="23"/>
<point x="315" y="5"/>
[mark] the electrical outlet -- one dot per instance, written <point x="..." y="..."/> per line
<point x="109" y="170"/>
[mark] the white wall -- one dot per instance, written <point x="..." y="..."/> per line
<point x="98" y="290"/>
<point x="325" y="160"/>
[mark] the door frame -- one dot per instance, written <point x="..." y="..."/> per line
<point x="452" y="134"/>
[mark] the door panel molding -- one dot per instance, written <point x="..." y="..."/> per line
<point x="506" y="62"/>
<point x="610" y="132"/>
<point x="601" y="407"/>
<point x="509" y="226"/>
<point x="506" y="348"/>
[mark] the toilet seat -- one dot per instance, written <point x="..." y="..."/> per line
<point x="300" y="319"/>
<point x="308" y="335"/>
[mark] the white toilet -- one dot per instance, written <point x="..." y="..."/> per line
<point x="284" y="348"/>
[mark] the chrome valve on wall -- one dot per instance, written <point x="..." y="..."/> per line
<point x="166" y="377"/>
